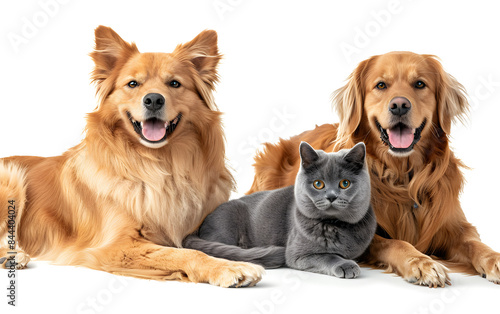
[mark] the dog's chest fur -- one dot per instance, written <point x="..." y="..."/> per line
<point x="392" y="200"/>
<point x="166" y="205"/>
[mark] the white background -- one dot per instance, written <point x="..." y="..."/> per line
<point x="282" y="60"/>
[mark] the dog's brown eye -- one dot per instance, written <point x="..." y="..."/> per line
<point x="381" y="85"/>
<point x="419" y="84"/>
<point x="318" y="184"/>
<point x="175" y="84"/>
<point x="344" y="184"/>
<point x="132" y="84"/>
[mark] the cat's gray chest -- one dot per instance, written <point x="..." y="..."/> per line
<point x="327" y="234"/>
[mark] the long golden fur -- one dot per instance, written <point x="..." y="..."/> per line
<point x="118" y="202"/>
<point x="415" y="193"/>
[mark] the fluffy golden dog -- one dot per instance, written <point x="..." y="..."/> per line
<point x="151" y="167"/>
<point x="402" y="105"/>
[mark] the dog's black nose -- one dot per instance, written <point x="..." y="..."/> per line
<point x="153" y="101"/>
<point x="399" y="106"/>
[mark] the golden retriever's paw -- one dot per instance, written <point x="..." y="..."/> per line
<point x="236" y="275"/>
<point x="21" y="260"/>
<point x="425" y="271"/>
<point x="489" y="267"/>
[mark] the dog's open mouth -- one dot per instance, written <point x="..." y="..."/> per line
<point x="401" y="138"/>
<point x="154" y="130"/>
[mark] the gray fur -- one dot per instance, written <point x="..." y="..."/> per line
<point x="318" y="230"/>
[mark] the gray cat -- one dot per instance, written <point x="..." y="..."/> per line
<point x="320" y="224"/>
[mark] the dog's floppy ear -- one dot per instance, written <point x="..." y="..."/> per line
<point x="348" y="102"/>
<point x="204" y="56"/>
<point x="110" y="49"/>
<point x="451" y="97"/>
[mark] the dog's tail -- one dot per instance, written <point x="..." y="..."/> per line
<point x="268" y="257"/>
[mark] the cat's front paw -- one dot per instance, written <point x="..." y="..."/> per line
<point x="347" y="269"/>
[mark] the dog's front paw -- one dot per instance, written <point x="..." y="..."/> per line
<point x="21" y="260"/>
<point x="424" y="271"/>
<point x="489" y="267"/>
<point x="236" y="275"/>
<point x="347" y="269"/>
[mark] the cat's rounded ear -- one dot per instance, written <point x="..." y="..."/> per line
<point x="356" y="155"/>
<point x="307" y="154"/>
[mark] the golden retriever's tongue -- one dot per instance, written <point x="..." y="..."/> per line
<point x="153" y="130"/>
<point x="400" y="137"/>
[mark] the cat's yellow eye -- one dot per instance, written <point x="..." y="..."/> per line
<point x="344" y="184"/>
<point x="318" y="184"/>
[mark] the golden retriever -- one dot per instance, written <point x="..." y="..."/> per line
<point x="402" y="105"/>
<point x="150" y="168"/>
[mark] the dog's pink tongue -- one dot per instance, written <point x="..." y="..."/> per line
<point x="400" y="137"/>
<point x="153" y="130"/>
